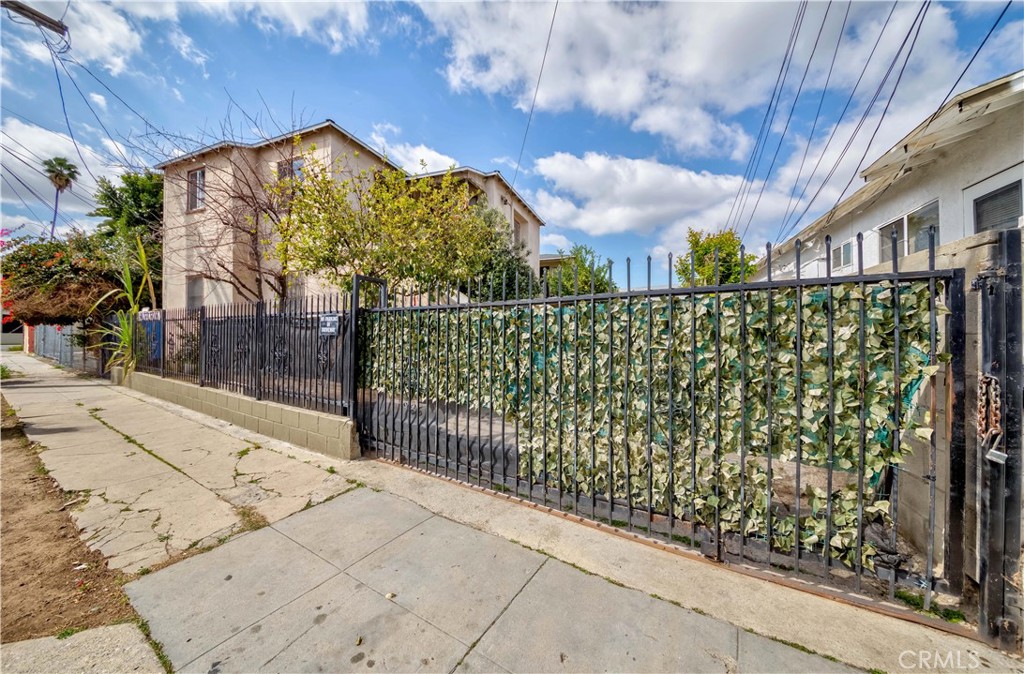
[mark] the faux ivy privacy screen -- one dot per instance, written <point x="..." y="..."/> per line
<point x="600" y="390"/>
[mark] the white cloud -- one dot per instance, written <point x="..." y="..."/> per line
<point x="26" y="166"/>
<point x="600" y="195"/>
<point x="554" y="242"/>
<point x="412" y="158"/>
<point x="187" y="49"/>
<point x="99" y="100"/>
<point x="683" y="71"/>
<point x="336" y="25"/>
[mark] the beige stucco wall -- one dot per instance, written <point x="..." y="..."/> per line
<point x="982" y="162"/>
<point x="525" y="226"/>
<point x="196" y="242"/>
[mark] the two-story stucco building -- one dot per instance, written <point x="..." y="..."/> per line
<point x="217" y="240"/>
<point x="960" y="170"/>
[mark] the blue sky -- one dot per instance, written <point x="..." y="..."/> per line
<point x="645" y="120"/>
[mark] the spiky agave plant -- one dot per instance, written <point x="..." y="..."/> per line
<point x="119" y="336"/>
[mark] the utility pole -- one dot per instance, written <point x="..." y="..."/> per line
<point x="35" y="16"/>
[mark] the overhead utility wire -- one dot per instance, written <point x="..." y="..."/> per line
<point x="67" y="120"/>
<point x="776" y="91"/>
<point x="867" y="110"/>
<point x="40" y="171"/>
<point x="24" y="203"/>
<point x="35" y="194"/>
<point x="149" y="125"/>
<point x="817" y="114"/>
<point x="749" y="185"/>
<point x="536" y="89"/>
<point x="949" y="93"/>
<point x="88" y="103"/>
<point x="786" y="225"/>
<point x="789" y="119"/>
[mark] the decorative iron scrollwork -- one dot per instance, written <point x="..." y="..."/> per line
<point x="280" y="355"/>
<point x="323" y="355"/>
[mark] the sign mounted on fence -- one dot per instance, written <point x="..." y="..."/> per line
<point x="329" y="325"/>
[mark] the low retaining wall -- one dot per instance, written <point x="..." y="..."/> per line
<point x="325" y="433"/>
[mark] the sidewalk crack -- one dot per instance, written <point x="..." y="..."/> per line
<point x="498" y="617"/>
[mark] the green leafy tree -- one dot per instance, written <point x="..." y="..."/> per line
<point x="581" y="266"/>
<point x="134" y="207"/>
<point x="702" y="247"/>
<point x="62" y="174"/>
<point x="507" y="269"/>
<point x="133" y="213"/>
<point x="411" y="231"/>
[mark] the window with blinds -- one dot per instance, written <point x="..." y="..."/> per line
<point x="1000" y="209"/>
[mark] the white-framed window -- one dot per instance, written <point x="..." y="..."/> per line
<point x="195" y="292"/>
<point x="196" y="191"/>
<point x="842" y="255"/>
<point x="911" y="232"/>
<point x="290" y="169"/>
<point x="999" y="209"/>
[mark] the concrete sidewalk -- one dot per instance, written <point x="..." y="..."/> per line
<point x="370" y="581"/>
<point x="152" y="483"/>
<point x="416" y="572"/>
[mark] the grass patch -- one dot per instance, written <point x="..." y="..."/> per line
<point x="145" y="571"/>
<point x="916" y="602"/>
<point x="158" y="648"/>
<point x="69" y="631"/>
<point x="16" y="347"/>
<point x="331" y="470"/>
<point x="5" y="372"/>
<point x="42" y="470"/>
<point x="251" y="518"/>
<point x="243" y="453"/>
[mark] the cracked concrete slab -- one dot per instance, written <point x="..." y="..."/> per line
<point x="228" y="589"/>
<point x="339" y="626"/>
<point x="458" y="578"/>
<point x="159" y="481"/>
<point x="117" y="649"/>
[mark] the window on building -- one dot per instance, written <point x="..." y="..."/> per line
<point x="1000" y="209"/>
<point x="911" y="232"/>
<point x="290" y="168"/>
<point x="196" y="189"/>
<point x="842" y="256"/>
<point x="195" y="292"/>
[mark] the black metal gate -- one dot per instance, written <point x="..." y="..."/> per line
<point x="768" y="422"/>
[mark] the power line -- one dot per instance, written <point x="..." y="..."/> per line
<point x="64" y="109"/>
<point x="35" y="194"/>
<point x="536" y="89"/>
<point x="117" y="146"/>
<point x="789" y="119"/>
<point x="40" y="171"/>
<point x="949" y="93"/>
<point x="788" y="226"/>
<point x="817" y="114"/>
<point x="918" y="21"/>
<point x="24" y="203"/>
<point x="749" y="171"/>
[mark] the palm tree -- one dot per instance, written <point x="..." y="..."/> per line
<point x="62" y="174"/>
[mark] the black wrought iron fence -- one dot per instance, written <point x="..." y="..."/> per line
<point x="295" y="352"/>
<point x="765" y="422"/>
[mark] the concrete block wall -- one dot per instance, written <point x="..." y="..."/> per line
<point x="324" y="433"/>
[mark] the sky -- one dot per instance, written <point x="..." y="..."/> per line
<point x="649" y="118"/>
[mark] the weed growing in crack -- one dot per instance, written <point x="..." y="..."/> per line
<point x="251" y="518"/>
<point x="69" y="631"/>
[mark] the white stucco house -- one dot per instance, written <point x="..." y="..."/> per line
<point x="960" y="170"/>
